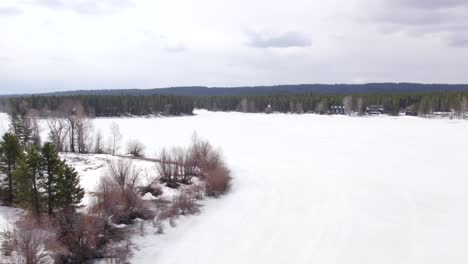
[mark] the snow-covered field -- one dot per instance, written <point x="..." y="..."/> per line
<point x="318" y="189"/>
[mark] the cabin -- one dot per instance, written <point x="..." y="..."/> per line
<point x="336" y="110"/>
<point x="411" y="110"/>
<point x="375" y="110"/>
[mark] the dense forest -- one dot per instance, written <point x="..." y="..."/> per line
<point x="342" y="89"/>
<point x="103" y="105"/>
<point x="413" y="103"/>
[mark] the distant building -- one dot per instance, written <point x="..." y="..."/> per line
<point x="375" y="110"/>
<point x="336" y="110"/>
<point x="411" y="110"/>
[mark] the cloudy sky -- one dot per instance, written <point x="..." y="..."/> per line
<point x="49" y="45"/>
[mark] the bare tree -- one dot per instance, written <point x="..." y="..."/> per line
<point x="35" y="133"/>
<point x="83" y="133"/>
<point x="322" y="107"/>
<point x="299" y="109"/>
<point x="244" y="105"/>
<point x="74" y="113"/>
<point x="252" y="107"/>
<point x="58" y="131"/>
<point x="360" y="105"/>
<point x="98" y="143"/>
<point x="348" y="104"/>
<point x="463" y="107"/>
<point x="135" y="148"/>
<point x="116" y="137"/>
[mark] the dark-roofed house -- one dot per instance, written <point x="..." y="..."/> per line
<point x="336" y="110"/>
<point x="375" y="110"/>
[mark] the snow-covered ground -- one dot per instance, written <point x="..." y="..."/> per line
<point x="318" y="189"/>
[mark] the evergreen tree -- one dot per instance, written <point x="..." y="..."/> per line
<point x="10" y="154"/>
<point x="69" y="191"/>
<point x="50" y="165"/>
<point x="27" y="178"/>
<point x="20" y="125"/>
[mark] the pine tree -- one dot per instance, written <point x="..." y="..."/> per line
<point x="27" y="179"/>
<point x="10" y="154"/>
<point x="69" y="191"/>
<point x="50" y="165"/>
<point x="20" y="125"/>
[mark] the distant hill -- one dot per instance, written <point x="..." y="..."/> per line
<point x="276" y="89"/>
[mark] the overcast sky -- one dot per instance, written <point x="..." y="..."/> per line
<point x="49" y="45"/>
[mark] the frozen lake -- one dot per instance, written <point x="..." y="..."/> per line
<point x="319" y="189"/>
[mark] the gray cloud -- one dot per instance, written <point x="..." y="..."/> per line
<point x="428" y="4"/>
<point x="85" y="6"/>
<point x="459" y="40"/>
<point x="445" y="18"/>
<point x="10" y="11"/>
<point x="284" y="40"/>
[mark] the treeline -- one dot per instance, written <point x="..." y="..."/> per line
<point x="277" y="89"/>
<point x="416" y="103"/>
<point x="422" y="104"/>
<point x="99" y="106"/>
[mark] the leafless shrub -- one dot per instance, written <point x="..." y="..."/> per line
<point x="6" y="247"/>
<point x="83" y="236"/>
<point x="201" y="160"/>
<point x="152" y="188"/>
<point x="120" y="207"/>
<point x="116" y="197"/>
<point x="184" y="204"/>
<point x="203" y="155"/>
<point x="217" y="181"/>
<point x="28" y="246"/>
<point x="189" y="167"/>
<point x="196" y="191"/>
<point x="167" y="170"/>
<point x="122" y="173"/>
<point x="118" y="254"/>
<point x="136" y="148"/>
